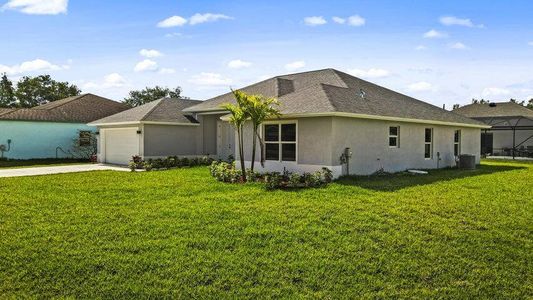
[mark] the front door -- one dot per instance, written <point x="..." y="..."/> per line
<point x="486" y="143"/>
<point x="225" y="140"/>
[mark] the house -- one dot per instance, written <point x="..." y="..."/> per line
<point x="325" y="114"/>
<point x="49" y="130"/>
<point x="155" y="129"/>
<point x="511" y="133"/>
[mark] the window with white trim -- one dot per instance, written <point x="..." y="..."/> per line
<point x="394" y="137"/>
<point x="280" y="141"/>
<point x="457" y="143"/>
<point x="428" y="143"/>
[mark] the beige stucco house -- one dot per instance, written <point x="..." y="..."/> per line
<point x="325" y="113"/>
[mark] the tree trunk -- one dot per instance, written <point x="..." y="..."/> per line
<point x="262" y="150"/>
<point x="241" y="153"/>
<point x="253" y="146"/>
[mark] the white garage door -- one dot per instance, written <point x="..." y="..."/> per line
<point x="121" y="145"/>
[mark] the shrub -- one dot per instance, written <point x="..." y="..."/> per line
<point x="273" y="180"/>
<point x="294" y="180"/>
<point x="147" y="166"/>
<point x="132" y="165"/>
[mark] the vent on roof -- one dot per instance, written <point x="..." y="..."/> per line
<point x="362" y="94"/>
<point x="492" y="104"/>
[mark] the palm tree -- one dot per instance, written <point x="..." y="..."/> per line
<point x="259" y="109"/>
<point x="238" y="117"/>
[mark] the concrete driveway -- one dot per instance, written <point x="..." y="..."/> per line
<point x="58" y="169"/>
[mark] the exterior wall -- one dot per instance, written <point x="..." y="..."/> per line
<point x="169" y="140"/>
<point x="369" y="143"/>
<point x="322" y="140"/>
<point x="39" y="139"/>
<point x="314" y="147"/>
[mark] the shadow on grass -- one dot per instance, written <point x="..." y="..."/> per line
<point x="398" y="181"/>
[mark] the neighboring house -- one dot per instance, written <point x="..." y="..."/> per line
<point x="512" y="127"/>
<point x="324" y="112"/>
<point x="49" y="130"/>
<point x="155" y="129"/>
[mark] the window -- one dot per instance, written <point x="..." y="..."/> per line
<point x="85" y="138"/>
<point x="428" y="143"/>
<point x="457" y="143"/>
<point x="280" y="141"/>
<point x="394" y="137"/>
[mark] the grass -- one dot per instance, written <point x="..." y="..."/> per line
<point x="45" y="162"/>
<point x="181" y="234"/>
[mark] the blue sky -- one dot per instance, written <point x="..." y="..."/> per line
<point x="442" y="52"/>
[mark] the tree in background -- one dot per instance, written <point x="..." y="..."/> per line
<point x="137" y="98"/>
<point x="530" y="104"/>
<point x="7" y="92"/>
<point x="34" y="91"/>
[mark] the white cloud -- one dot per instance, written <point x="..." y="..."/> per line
<point x="339" y="20"/>
<point x="420" y="86"/>
<point x="114" y="80"/>
<point x="238" y="64"/>
<point x="370" y="73"/>
<point x="207" y="79"/>
<point x="150" y="53"/>
<point x="146" y="65"/>
<point x="458" y="46"/>
<point x="174" y="34"/>
<point x="173" y="21"/>
<point x="314" y="21"/>
<point x="530" y="43"/>
<point x="495" y="91"/>
<point x="167" y="71"/>
<point x="38" y="7"/>
<point x="207" y="17"/>
<point x="295" y="65"/>
<point x="432" y="34"/>
<point x="420" y="48"/>
<point x="31" y="66"/>
<point x="356" y="20"/>
<point x="451" y="21"/>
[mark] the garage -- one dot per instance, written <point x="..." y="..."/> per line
<point x="120" y="145"/>
<point x="156" y="129"/>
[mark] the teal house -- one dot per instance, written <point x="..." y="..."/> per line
<point x="51" y="130"/>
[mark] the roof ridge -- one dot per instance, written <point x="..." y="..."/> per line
<point x="74" y="98"/>
<point x="158" y="102"/>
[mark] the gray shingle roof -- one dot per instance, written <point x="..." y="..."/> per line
<point x="162" y="110"/>
<point x="332" y="91"/>
<point x="77" y="109"/>
<point x="497" y="109"/>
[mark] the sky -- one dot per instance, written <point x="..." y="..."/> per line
<point x="441" y="52"/>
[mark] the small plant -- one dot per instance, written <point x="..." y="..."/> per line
<point x="133" y="166"/>
<point x="294" y="180"/>
<point x="147" y="166"/>
<point x="273" y="180"/>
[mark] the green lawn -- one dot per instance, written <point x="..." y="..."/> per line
<point x="181" y="234"/>
<point x="47" y="162"/>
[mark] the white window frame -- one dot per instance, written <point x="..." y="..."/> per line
<point x="430" y="143"/>
<point x="457" y="143"/>
<point x="397" y="136"/>
<point x="280" y="142"/>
